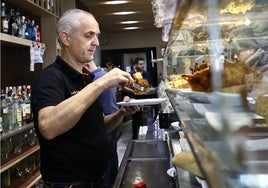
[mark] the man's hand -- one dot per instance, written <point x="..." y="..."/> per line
<point x="116" y="78"/>
<point x="128" y="110"/>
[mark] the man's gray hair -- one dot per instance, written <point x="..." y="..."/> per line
<point x="69" y="21"/>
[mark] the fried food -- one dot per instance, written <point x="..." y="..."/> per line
<point x="233" y="74"/>
<point x="137" y="76"/>
<point x="178" y="83"/>
<point x="201" y="67"/>
<point x="200" y="80"/>
<point x="142" y="82"/>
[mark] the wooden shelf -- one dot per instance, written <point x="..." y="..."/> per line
<point x="32" y="7"/>
<point x="10" y="40"/>
<point x="17" y="131"/>
<point x="13" y="159"/>
<point x="28" y="183"/>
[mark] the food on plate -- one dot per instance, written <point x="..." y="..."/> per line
<point x="234" y="75"/>
<point x="201" y="66"/>
<point x="186" y="160"/>
<point x="141" y="82"/>
<point x="200" y="80"/>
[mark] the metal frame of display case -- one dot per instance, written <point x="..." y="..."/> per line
<point x="217" y="152"/>
<point x="218" y="162"/>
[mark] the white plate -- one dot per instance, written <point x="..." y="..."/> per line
<point x="134" y="102"/>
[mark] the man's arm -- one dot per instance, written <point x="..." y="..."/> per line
<point x="113" y="120"/>
<point x="56" y="120"/>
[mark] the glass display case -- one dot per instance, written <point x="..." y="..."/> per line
<point x="223" y="110"/>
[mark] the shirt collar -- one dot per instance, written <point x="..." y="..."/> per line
<point x="72" y="72"/>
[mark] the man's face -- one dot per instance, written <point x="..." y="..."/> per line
<point x="84" y="40"/>
<point x="242" y="56"/>
<point x="140" y="65"/>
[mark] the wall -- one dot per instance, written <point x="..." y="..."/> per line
<point x="135" y="39"/>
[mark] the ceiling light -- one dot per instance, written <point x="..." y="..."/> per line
<point x="129" y="22"/>
<point x="131" y="28"/>
<point x="114" y="2"/>
<point x="124" y="13"/>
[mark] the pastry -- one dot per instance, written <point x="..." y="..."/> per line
<point x="186" y="161"/>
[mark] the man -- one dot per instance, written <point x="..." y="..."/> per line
<point x="68" y="118"/>
<point x="139" y="66"/>
<point x="108" y="100"/>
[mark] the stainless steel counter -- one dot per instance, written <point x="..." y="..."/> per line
<point x="148" y="159"/>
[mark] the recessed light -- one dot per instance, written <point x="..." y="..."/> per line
<point x="114" y="2"/>
<point x="129" y="22"/>
<point x="124" y="13"/>
<point x="131" y="28"/>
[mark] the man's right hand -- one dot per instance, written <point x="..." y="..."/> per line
<point x="116" y="78"/>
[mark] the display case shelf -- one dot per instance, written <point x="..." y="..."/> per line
<point x="222" y="159"/>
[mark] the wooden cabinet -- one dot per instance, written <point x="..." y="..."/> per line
<point x="20" y="169"/>
<point x="15" y="71"/>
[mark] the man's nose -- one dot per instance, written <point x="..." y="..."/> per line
<point x="95" y="41"/>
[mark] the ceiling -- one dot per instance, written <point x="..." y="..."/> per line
<point x="110" y="23"/>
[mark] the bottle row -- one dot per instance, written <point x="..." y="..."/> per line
<point x="18" y="143"/>
<point x="15" y="107"/>
<point x="13" y="23"/>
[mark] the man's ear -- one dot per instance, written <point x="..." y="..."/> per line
<point x="64" y="38"/>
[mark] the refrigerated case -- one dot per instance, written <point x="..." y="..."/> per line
<point x="227" y="131"/>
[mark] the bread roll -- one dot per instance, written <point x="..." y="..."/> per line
<point x="186" y="161"/>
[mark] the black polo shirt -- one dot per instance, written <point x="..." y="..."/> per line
<point x="80" y="154"/>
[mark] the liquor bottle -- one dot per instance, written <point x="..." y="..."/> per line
<point x="1" y="129"/>
<point x="22" y="105"/>
<point x="11" y="113"/>
<point x="22" y="27"/>
<point x="37" y="34"/>
<point x="4" y="113"/>
<point x="33" y="34"/>
<point x="28" y="105"/>
<point x="16" y="24"/>
<point x="4" y="19"/>
<point x="11" y="22"/>
<point x="17" y="112"/>
<point x="28" y="30"/>
<point x="48" y="5"/>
